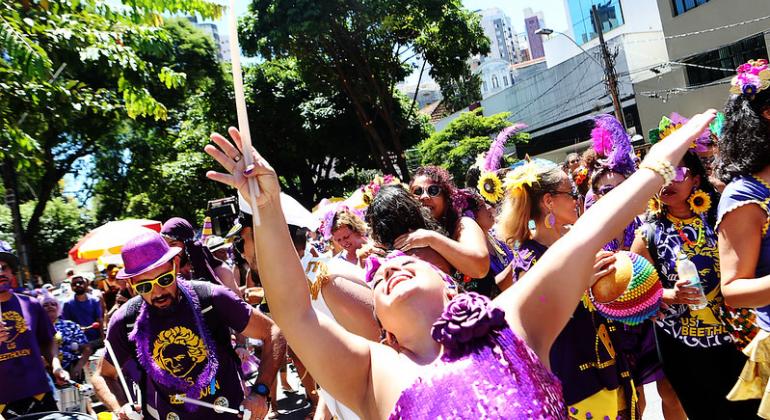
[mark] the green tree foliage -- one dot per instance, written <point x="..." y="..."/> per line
<point x="71" y="73"/>
<point x="61" y="225"/>
<point x="363" y="49"/>
<point x="157" y="168"/>
<point x="456" y="146"/>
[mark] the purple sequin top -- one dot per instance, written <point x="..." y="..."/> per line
<point x="485" y="371"/>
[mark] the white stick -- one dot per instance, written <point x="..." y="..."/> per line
<point x="208" y="405"/>
<point x="240" y="107"/>
<point x="120" y="372"/>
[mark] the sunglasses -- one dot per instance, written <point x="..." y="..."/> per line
<point x="433" y="191"/>
<point x="681" y="173"/>
<point x="163" y="280"/>
<point x="573" y="194"/>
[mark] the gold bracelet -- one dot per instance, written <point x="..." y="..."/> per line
<point x="661" y="167"/>
<point x="321" y="279"/>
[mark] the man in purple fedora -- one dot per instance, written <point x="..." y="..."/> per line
<point x="174" y="339"/>
<point x="26" y="339"/>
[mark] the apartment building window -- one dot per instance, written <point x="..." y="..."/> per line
<point x="495" y="82"/>
<point x="484" y="87"/>
<point x="505" y="81"/>
<point x="682" y="6"/>
<point x="610" y="17"/>
<point x="726" y="57"/>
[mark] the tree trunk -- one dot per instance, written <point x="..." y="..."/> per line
<point x="11" y="200"/>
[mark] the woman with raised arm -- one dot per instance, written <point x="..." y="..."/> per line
<point x="744" y="216"/>
<point x="595" y="380"/>
<point x="464" y="355"/>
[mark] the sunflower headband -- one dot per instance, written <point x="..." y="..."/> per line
<point x="525" y="175"/>
<point x="753" y="77"/>
<point x="490" y="186"/>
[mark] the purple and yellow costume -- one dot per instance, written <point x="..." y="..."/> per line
<point x="485" y="371"/>
<point x="754" y="381"/>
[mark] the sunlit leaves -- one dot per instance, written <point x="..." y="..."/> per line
<point x="23" y="52"/>
<point x="172" y="79"/>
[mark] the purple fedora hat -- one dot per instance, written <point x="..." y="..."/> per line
<point x="145" y="252"/>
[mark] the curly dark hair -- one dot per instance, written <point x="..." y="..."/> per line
<point x="695" y="165"/>
<point x="394" y="212"/>
<point x="443" y="179"/>
<point x="744" y="145"/>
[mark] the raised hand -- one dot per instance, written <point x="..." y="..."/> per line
<point x="230" y="156"/>
<point x="676" y="144"/>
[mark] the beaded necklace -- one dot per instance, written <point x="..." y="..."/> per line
<point x="696" y="223"/>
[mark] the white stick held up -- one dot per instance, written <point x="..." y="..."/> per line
<point x="120" y="372"/>
<point x="240" y="107"/>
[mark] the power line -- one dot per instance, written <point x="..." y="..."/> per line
<point x="700" y="32"/>
<point x="664" y="94"/>
<point x="541" y="95"/>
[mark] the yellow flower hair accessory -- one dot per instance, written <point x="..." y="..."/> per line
<point x="654" y="205"/>
<point x="521" y="176"/>
<point x="490" y="187"/>
<point x="699" y="201"/>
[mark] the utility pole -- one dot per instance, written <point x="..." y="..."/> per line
<point x="12" y="201"/>
<point x="609" y="67"/>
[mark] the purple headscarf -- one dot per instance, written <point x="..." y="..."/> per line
<point x="202" y="262"/>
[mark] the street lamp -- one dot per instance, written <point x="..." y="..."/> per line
<point x="548" y="31"/>
<point x="608" y="67"/>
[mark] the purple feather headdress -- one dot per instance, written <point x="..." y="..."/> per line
<point x="611" y="140"/>
<point x="497" y="148"/>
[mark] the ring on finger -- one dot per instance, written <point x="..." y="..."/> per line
<point x="237" y="158"/>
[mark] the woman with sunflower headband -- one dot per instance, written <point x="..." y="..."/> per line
<point x="697" y="350"/>
<point x="744" y="217"/>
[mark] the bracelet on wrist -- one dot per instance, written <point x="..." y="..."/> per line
<point x="661" y="167"/>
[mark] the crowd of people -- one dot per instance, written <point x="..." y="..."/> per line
<point x="435" y="300"/>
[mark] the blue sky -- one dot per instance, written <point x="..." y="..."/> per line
<point x="553" y="9"/>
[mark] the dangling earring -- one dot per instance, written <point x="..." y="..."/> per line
<point x="550" y="220"/>
<point x="699" y="201"/>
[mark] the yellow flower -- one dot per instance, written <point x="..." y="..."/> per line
<point x="670" y="129"/>
<point x="654" y="205"/>
<point x="490" y="187"/>
<point x="521" y="176"/>
<point x="699" y="201"/>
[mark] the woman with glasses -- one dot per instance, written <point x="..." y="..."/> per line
<point x="583" y="355"/>
<point x="699" y="357"/>
<point x="465" y="247"/>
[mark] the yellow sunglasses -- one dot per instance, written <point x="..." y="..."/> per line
<point x="163" y="280"/>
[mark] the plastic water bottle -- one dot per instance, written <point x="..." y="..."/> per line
<point x="687" y="271"/>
